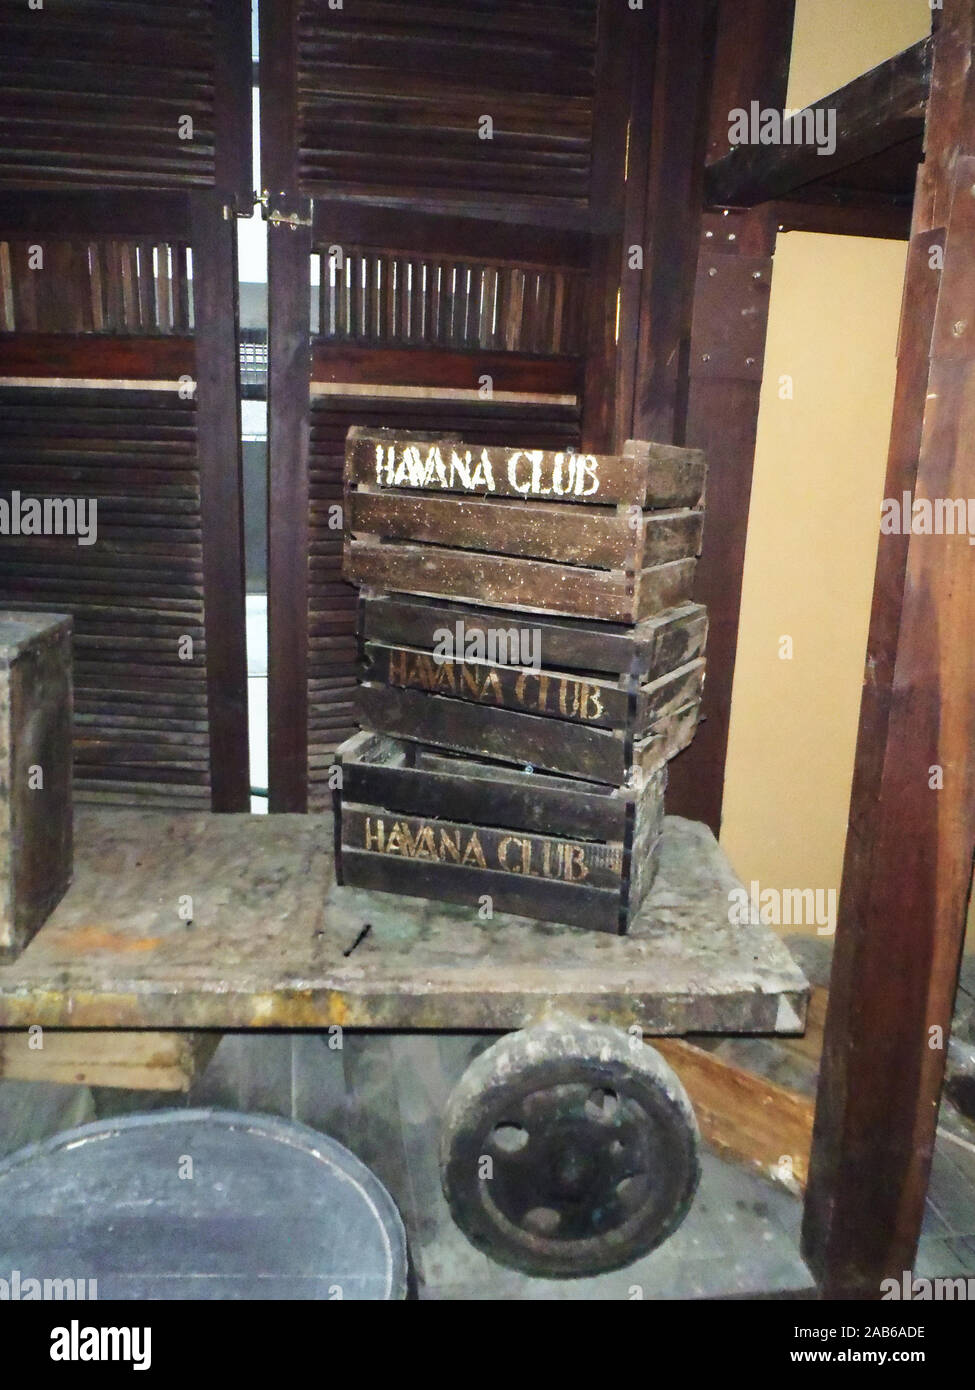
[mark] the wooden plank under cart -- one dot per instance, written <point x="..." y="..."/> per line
<point x="272" y="943"/>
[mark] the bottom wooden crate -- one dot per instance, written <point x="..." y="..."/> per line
<point x="415" y="820"/>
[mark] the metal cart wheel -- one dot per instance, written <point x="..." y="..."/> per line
<point x="569" y="1149"/>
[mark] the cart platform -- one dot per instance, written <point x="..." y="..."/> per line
<point x="273" y="943"/>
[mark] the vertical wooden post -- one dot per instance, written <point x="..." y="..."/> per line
<point x="216" y="337"/>
<point x="289" y="325"/>
<point x="233" y="140"/>
<point x="620" y="127"/>
<point x="725" y="363"/>
<point x="709" y="396"/>
<point x="215" y="309"/>
<point x="674" y="188"/>
<point x="289" y="253"/>
<point x="911" y="834"/>
<point x="279" y="96"/>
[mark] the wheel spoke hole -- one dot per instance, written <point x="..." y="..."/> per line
<point x="632" y="1190"/>
<point x="542" y="1221"/>
<point x="509" y="1138"/>
<point x="602" y="1104"/>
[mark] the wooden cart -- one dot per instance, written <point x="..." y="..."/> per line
<point x="198" y="921"/>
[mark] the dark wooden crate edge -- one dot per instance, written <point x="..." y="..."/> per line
<point x="516" y="893"/>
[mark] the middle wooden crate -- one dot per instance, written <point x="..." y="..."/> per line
<point x="610" y="537"/>
<point x="584" y="699"/>
<point x="419" y="821"/>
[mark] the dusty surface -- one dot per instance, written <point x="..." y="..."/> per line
<point x="267" y="932"/>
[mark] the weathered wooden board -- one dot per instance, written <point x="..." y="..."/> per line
<point x="131" y="1061"/>
<point x="907" y="869"/>
<point x="612" y="537"/>
<point x="378" y="773"/>
<point x="743" y="1116"/>
<point x="645" y="475"/>
<point x="35" y="771"/>
<point x="533" y="586"/>
<point x="557" y="694"/>
<point x="415" y="838"/>
<point x="502" y="847"/>
<point x="655" y="645"/>
<point x="273" y="944"/>
<point x="598" y="537"/>
<point x="569" y="747"/>
<point x="595" y="717"/>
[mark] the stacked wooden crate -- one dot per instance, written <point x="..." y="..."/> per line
<point x="530" y="661"/>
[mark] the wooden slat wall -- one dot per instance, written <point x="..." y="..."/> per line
<point x="331" y="602"/>
<point x="382" y="298"/>
<point x="141" y="724"/>
<point x="460" y="258"/>
<point x="92" y="93"/>
<point x="104" y="286"/>
<point x="390" y="97"/>
<point x="101" y="171"/>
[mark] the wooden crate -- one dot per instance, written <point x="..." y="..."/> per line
<point x="611" y="537"/>
<point x="35" y="772"/>
<point x="415" y="820"/>
<point x="604" y="698"/>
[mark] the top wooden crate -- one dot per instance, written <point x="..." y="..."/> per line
<point x="611" y="537"/>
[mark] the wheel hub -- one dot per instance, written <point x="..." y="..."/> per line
<point x="568" y="1164"/>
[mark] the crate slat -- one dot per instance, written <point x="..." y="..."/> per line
<point x="421" y="823"/>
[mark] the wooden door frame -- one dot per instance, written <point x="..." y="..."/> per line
<point x="909" y="849"/>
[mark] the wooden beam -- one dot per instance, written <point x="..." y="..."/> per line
<point x="673" y="187"/>
<point x="884" y="220"/>
<point x="96" y="356"/>
<point x="351" y="223"/>
<point x="132" y="1061"/>
<point x="743" y="1116"/>
<point x="221" y="497"/>
<point x="908" y="863"/>
<point x="233" y="140"/>
<point x="564" y="216"/>
<point x="754" y="47"/>
<point x="279" y="98"/>
<point x="95" y="213"/>
<point x="289" y="328"/>
<point x="289" y="251"/>
<point x="722" y="380"/>
<point x="620" y="123"/>
<point x="443" y="367"/>
<point x="881" y="108"/>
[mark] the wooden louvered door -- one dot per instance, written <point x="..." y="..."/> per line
<point x="126" y="157"/>
<point x="429" y="271"/>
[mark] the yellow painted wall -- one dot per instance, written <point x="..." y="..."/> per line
<point x="835" y="40"/>
<point x="818" y="486"/>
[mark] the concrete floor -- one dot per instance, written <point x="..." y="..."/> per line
<point x="382" y="1096"/>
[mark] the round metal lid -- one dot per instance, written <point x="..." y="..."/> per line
<point x="199" y="1204"/>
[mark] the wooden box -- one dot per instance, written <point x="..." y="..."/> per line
<point x="597" y="700"/>
<point x="611" y="537"/>
<point x="35" y="772"/>
<point x="418" y="821"/>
